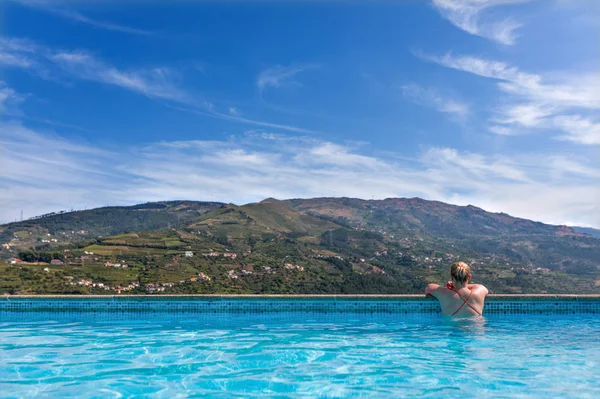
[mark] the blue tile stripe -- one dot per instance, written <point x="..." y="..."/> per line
<point x="274" y="305"/>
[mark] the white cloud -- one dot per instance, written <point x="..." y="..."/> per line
<point x="431" y="98"/>
<point x="51" y="7"/>
<point x="280" y="76"/>
<point x="152" y="83"/>
<point x="475" y="165"/>
<point x="573" y="90"/>
<point x="468" y="16"/>
<point x="156" y="83"/>
<point x="563" y="165"/>
<point x="43" y="172"/>
<point x="15" y="53"/>
<point x="502" y="130"/>
<point x="8" y="98"/>
<point x="330" y="154"/>
<point x="8" y="59"/>
<point x="533" y="102"/>
<point x="578" y="129"/>
<point x="526" y="115"/>
<point x="75" y="16"/>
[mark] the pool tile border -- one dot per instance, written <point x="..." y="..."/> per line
<point x="224" y="304"/>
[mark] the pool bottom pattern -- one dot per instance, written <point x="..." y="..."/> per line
<point x="203" y="305"/>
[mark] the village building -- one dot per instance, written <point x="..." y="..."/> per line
<point x="211" y="254"/>
<point x="231" y="274"/>
<point x="203" y="277"/>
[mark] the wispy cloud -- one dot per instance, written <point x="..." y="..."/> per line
<point x="16" y="53"/>
<point x="468" y="16"/>
<point x="578" y="129"/>
<point x="76" y="16"/>
<point x="14" y="60"/>
<point x="55" y="8"/>
<point x="576" y="90"/>
<point x="41" y="163"/>
<point x="8" y="98"/>
<point x="157" y="83"/>
<point x="533" y="102"/>
<point x="281" y="76"/>
<point x="547" y="187"/>
<point x="431" y="98"/>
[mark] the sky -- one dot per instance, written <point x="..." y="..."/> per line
<point x="493" y="103"/>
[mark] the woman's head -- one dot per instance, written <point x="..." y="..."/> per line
<point x="461" y="272"/>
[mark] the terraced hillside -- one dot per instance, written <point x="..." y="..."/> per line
<point x="72" y="227"/>
<point x="323" y="245"/>
<point x="471" y="229"/>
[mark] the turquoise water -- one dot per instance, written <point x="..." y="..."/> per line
<point x="298" y="356"/>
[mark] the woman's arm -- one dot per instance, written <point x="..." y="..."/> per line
<point x="431" y="290"/>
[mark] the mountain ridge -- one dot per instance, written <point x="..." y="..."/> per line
<point x="155" y="205"/>
<point x="316" y="245"/>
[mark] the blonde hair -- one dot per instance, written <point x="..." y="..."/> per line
<point x="460" y="271"/>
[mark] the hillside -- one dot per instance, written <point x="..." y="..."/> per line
<point x="321" y="245"/>
<point x="469" y="228"/>
<point x="71" y="227"/>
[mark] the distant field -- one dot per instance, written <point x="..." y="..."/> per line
<point x="145" y="240"/>
<point x="108" y="250"/>
<point x="113" y="274"/>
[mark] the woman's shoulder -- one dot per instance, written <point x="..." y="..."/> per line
<point x="479" y="288"/>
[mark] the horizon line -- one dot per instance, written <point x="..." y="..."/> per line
<point x="72" y="210"/>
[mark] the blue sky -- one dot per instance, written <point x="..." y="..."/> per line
<point x="486" y="102"/>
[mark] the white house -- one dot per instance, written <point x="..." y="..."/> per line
<point x="189" y="254"/>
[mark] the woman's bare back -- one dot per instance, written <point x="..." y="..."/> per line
<point x="467" y="301"/>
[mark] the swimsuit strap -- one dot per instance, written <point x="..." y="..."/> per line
<point x="465" y="302"/>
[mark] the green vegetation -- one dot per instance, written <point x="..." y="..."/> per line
<point x="113" y="220"/>
<point x="334" y="246"/>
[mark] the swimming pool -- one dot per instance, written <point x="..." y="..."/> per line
<point x="293" y="348"/>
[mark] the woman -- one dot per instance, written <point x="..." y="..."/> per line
<point x="459" y="298"/>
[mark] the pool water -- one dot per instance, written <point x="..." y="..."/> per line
<point x="291" y="355"/>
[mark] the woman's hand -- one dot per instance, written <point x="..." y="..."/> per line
<point x="450" y="285"/>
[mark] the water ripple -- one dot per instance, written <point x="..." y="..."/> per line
<point x="277" y="356"/>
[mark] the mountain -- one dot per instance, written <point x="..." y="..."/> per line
<point x="444" y="226"/>
<point x="79" y="225"/>
<point x="587" y="230"/>
<point x="425" y="217"/>
<point x="319" y="245"/>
